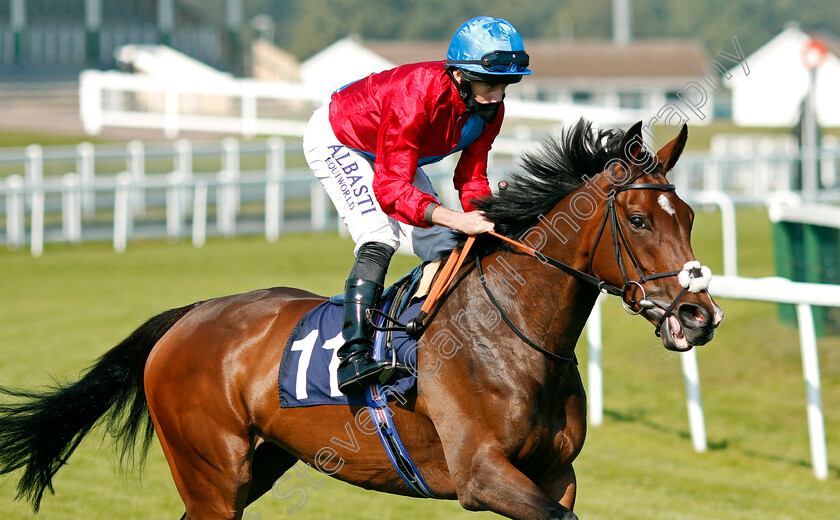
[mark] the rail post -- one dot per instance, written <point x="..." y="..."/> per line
<point x="85" y="168"/>
<point x="199" y="223"/>
<point x="274" y="189"/>
<point x="15" y="220"/>
<point x="811" y="373"/>
<point x="122" y="212"/>
<point x="594" y="370"/>
<point x="136" y="165"/>
<point x="71" y="209"/>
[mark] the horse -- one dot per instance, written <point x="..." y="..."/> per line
<point x="498" y="414"/>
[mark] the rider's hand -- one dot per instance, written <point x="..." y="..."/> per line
<point x="470" y="223"/>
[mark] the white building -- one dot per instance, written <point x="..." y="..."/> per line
<point x="773" y="91"/>
<point x="342" y="62"/>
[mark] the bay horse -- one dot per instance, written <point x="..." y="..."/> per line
<point x="498" y="415"/>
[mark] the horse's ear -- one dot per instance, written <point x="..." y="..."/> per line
<point x="632" y="145"/>
<point x="670" y="153"/>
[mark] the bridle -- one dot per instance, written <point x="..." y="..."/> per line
<point x="619" y="240"/>
<point x="693" y="277"/>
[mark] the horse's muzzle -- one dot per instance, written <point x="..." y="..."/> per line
<point x="688" y="326"/>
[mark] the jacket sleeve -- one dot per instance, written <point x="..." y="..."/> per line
<point x="471" y="172"/>
<point x="403" y="126"/>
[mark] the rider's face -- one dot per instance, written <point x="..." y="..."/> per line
<point x="488" y="92"/>
<point x="484" y="92"/>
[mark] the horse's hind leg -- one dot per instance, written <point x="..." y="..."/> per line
<point x="269" y="464"/>
<point x="209" y="451"/>
<point x="213" y="481"/>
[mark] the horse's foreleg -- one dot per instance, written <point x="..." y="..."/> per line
<point x="563" y="489"/>
<point x="493" y="483"/>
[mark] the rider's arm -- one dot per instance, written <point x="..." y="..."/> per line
<point x="402" y="129"/>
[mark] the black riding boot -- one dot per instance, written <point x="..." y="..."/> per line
<point x="357" y="369"/>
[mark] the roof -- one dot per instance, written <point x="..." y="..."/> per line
<point x="164" y="62"/>
<point x="828" y="39"/>
<point x="602" y="59"/>
<point x="784" y="49"/>
<point x="401" y="52"/>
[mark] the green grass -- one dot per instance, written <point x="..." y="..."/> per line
<point x="16" y="139"/>
<point x="63" y="310"/>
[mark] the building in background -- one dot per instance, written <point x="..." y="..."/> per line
<point x="773" y="92"/>
<point x="636" y="75"/>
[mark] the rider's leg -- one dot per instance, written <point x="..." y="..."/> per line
<point x="357" y="369"/>
<point x="431" y="243"/>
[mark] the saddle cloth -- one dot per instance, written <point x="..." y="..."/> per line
<point x="308" y="371"/>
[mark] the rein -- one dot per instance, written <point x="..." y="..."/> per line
<point x="506" y="318"/>
<point x="693" y="277"/>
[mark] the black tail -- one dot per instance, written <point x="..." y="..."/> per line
<point x="41" y="430"/>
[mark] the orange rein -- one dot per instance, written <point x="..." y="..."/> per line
<point x="444" y="280"/>
<point x="453" y="265"/>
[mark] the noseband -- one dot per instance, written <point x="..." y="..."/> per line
<point x="692" y="277"/>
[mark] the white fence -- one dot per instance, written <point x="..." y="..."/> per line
<point x="86" y="176"/>
<point x="174" y="190"/>
<point x="118" y="192"/>
<point x="243" y="106"/>
<point x="747" y="167"/>
<point x="773" y="289"/>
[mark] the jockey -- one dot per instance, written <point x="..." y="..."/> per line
<point x="367" y="147"/>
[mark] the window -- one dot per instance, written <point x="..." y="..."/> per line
<point x="580" y="97"/>
<point x="630" y="99"/>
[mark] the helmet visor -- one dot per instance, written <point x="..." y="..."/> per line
<point x="500" y="61"/>
<point x="493" y="79"/>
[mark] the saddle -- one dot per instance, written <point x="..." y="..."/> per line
<point x="415" y="284"/>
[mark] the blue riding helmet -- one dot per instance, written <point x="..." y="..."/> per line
<point x="489" y="49"/>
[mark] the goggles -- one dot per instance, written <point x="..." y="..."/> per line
<point x="499" y="61"/>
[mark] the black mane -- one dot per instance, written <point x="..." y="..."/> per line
<point x="551" y="172"/>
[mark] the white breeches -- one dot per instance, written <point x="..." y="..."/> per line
<point x="347" y="176"/>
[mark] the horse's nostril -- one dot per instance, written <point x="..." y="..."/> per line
<point x="690" y="313"/>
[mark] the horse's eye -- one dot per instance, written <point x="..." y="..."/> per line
<point x="637" y="222"/>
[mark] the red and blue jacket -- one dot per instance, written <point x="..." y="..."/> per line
<point x="407" y="117"/>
